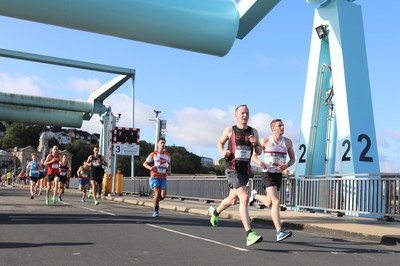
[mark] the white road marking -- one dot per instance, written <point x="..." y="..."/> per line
<point x="93" y="210"/>
<point x="197" y="237"/>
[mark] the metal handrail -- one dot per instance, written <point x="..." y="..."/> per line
<point x="361" y="195"/>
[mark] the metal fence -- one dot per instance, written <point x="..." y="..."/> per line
<point x="199" y="188"/>
<point x="350" y="195"/>
<point x="356" y="195"/>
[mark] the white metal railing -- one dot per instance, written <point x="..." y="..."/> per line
<point x="351" y="195"/>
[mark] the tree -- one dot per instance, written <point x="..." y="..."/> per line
<point x="54" y="142"/>
<point x="145" y="150"/>
<point x="183" y="162"/>
<point x="21" y="135"/>
<point x="80" y="151"/>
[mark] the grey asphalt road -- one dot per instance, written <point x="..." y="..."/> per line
<point x="112" y="233"/>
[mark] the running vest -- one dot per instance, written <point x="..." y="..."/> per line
<point x="161" y="161"/>
<point x="54" y="168"/>
<point x="42" y="172"/>
<point x="241" y="150"/>
<point x="84" y="173"/>
<point x="64" y="169"/>
<point x="34" y="169"/>
<point x="275" y="154"/>
<point x="96" y="166"/>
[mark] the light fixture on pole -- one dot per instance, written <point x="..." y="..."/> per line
<point x="157" y="120"/>
<point x="117" y="118"/>
<point x="321" y="31"/>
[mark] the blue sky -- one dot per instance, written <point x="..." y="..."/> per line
<point x="197" y="93"/>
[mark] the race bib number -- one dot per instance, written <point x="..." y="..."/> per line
<point x="274" y="159"/>
<point x="54" y="166"/>
<point x="242" y="153"/>
<point x="161" y="170"/>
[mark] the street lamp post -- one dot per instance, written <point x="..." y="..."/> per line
<point x="157" y="134"/>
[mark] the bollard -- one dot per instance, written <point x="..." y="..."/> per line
<point x="107" y="184"/>
<point x="118" y="183"/>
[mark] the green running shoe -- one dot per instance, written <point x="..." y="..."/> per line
<point x="90" y="195"/>
<point x="214" y="218"/>
<point x="96" y="202"/>
<point x="54" y="200"/>
<point x="253" y="238"/>
<point x="47" y="201"/>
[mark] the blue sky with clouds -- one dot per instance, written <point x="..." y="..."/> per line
<point x="197" y="93"/>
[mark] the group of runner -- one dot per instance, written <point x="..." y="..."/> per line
<point x="243" y="146"/>
<point x="57" y="172"/>
<point x="91" y="171"/>
<point x="36" y="172"/>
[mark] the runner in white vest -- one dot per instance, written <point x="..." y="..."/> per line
<point x="275" y="148"/>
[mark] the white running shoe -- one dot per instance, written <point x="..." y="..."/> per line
<point x="252" y="197"/>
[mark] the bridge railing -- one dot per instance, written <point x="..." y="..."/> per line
<point x="356" y="195"/>
<point x="341" y="194"/>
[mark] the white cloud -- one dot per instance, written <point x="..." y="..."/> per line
<point x="83" y="85"/>
<point x="121" y="103"/>
<point x="382" y="141"/>
<point x="27" y="85"/>
<point x="394" y="134"/>
<point x="388" y="149"/>
<point x="198" y="127"/>
<point x="261" y="122"/>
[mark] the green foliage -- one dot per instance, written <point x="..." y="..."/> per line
<point x="124" y="165"/>
<point x="145" y="150"/>
<point x="183" y="162"/>
<point x="54" y="142"/>
<point x="21" y="135"/>
<point x="80" y="152"/>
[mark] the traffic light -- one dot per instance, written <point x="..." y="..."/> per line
<point x="126" y="136"/>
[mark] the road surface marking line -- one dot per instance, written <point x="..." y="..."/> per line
<point x="197" y="237"/>
<point x="109" y="213"/>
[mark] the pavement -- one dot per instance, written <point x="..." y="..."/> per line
<point x="350" y="227"/>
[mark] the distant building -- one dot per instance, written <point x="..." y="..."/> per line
<point x="76" y="134"/>
<point x="207" y="161"/>
<point x="7" y="161"/>
<point x="61" y="137"/>
<point x="22" y="156"/>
